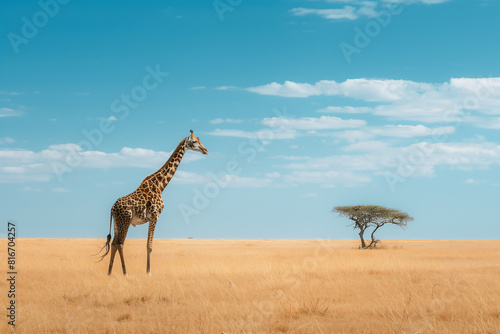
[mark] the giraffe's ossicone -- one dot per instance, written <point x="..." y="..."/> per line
<point x="145" y="203"/>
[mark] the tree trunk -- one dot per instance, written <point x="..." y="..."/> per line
<point x="363" y="244"/>
<point x="373" y="237"/>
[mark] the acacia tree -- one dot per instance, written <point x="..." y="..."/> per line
<point x="367" y="216"/>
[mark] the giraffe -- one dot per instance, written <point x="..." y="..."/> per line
<point x="145" y="204"/>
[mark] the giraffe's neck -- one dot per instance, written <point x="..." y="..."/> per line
<point x="158" y="181"/>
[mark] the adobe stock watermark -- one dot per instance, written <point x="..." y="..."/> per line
<point x="363" y="37"/>
<point x="223" y="6"/>
<point x="410" y="162"/>
<point x="247" y="151"/>
<point x="120" y="108"/>
<point x="31" y="26"/>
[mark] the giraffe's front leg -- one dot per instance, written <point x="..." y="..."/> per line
<point x="151" y="232"/>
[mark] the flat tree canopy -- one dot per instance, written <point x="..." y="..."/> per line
<point x="366" y="216"/>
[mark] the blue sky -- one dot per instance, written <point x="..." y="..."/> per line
<point x="303" y="106"/>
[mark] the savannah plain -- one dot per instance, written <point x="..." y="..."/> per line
<point x="258" y="286"/>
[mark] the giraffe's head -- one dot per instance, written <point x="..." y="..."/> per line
<point x="193" y="143"/>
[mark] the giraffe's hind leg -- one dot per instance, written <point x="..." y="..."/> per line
<point x="120" y="250"/>
<point x="112" y="257"/>
<point x="121" y="229"/>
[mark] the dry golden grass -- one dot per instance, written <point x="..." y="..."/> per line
<point x="259" y="286"/>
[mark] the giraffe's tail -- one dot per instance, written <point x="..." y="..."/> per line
<point x="108" y="241"/>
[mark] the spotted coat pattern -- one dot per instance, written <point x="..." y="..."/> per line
<point x="145" y="203"/>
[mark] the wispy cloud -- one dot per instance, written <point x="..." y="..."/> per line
<point x="346" y="110"/>
<point x="229" y="180"/>
<point x="355" y="9"/>
<point x="313" y="123"/>
<point x="329" y="126"/>
<point x="197" y="87"/>
<point x="263" y="134"/>
<point x="32" y="189"/>
<point x="2" y="92"/>
<point x="376" y="157"/>
<point x="376" y="90"/>
<point x="403" y="99"/>
<point x="7" y="140"/>
<point x="487" y="122"/>
<point x="347" y="12"/>
<point x="288" y="128"/>
<point x="8" y="112"/>
<point x="328" y="179"/>
<point x="23" y="165"/>
<point x="408" y="131"/>
<point x="226" y="87"/>
<point x="225" y="120"/>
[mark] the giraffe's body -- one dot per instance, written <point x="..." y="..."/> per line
<point x="145" y="203"/>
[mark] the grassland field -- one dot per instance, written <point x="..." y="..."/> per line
<point x="257" y="286"/>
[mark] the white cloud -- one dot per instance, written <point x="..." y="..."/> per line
<point x="346" y="109"/>
<point x="362" y="162"/>
<point x="364" y="89"/>
<point x="183" y="177"/>
<point x="469" y="181"/>
<point x="348" y="12"/>
<point x="407" y="131"/>
<point x="265" y="134"/>
<point x="6" y="112"/>
<point x="112" y="118"/>
<point x="452" y="101"/>
<point x="313" y="123"/>
<point x="359" y="8"/>
<point x="130" y="157"/>
<point x="290" y="128"/>
<point x="372" y="145"/>
<point x="228" y="180"/>
<point x="487" y="122"/>
<point x="236" y="181"/>
<point x="65" y="147"/>
<point x="24" y="166"/>
<point x="368" y="9"/>
<point x="352" y="135"/>
<point x="378" y="156"/>
<point x="197" y="87"/>
<point x="327" y="179"/>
